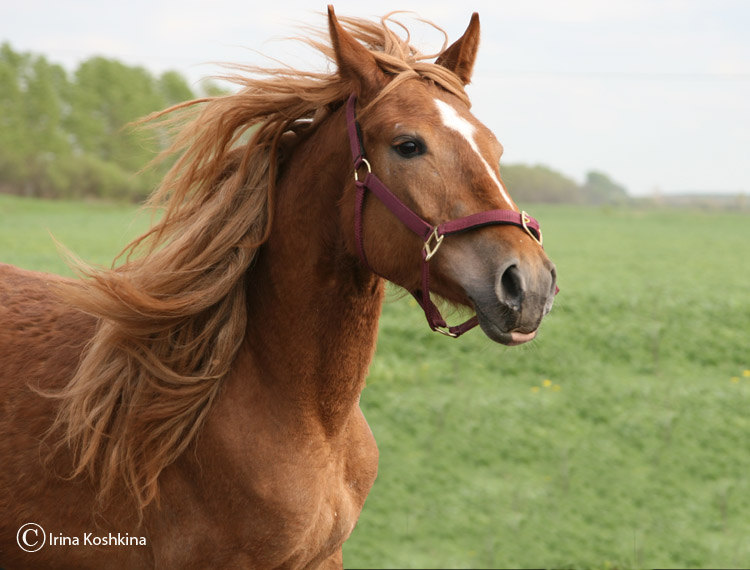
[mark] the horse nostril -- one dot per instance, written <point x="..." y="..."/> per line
<point x="553" y="272"/>
<point x="511" y="288"/>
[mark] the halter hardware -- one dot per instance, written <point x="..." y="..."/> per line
<point x="446" y="331"/>
<point x="525" y="221"/>
<point x="430" y="250"/>
<point x="357" y="167"/>
<point x="432" y="236"/>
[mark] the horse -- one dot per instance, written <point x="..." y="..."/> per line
<point x="197" y="404"/>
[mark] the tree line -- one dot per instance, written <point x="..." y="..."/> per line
<point x="67" y="136"/>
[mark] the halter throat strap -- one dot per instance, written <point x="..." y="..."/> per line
<point x="432" y="235"/>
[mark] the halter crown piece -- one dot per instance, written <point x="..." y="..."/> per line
<point x="432" y="236"/>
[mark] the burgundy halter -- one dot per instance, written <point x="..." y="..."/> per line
<point x="432" y="236"/>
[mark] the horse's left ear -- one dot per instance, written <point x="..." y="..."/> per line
<point x="460" y="57"/>
<point x="355" y="62"/>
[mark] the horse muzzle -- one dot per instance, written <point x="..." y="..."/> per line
<point x="511" y="311"/>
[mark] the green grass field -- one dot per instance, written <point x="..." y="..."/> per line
<point x="620" y="438"/>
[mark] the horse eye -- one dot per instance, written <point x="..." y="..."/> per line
<point x="409" y="149"/>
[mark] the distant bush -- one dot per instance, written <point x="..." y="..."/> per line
<point x="599" y="189"/>
<point x="542" y="184"/>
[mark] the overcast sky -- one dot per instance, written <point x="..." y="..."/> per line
<point x="655" y="93"/>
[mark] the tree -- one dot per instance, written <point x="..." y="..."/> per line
<point x="600" y="189"/>
<point x="106" y="97"/>
<point x="71" y="136"/>
<point x="173" y="88"/>
<point x="540" y="184"/>
<point x="32" y="114"/>
<point x="12" y="116"/>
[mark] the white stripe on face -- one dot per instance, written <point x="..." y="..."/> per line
<point x="454" y="121"/>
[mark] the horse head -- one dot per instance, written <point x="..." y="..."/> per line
<point x="441" y="164"/>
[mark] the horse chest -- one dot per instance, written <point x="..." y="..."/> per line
<point x="313" y="493"/>
<point x="310" y="501"/>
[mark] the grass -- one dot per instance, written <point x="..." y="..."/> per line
<point x="617" y="439"/>
<point x="96" y="231"/>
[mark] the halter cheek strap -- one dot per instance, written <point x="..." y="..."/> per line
<point x="432" y="236"/>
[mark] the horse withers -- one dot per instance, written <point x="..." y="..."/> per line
<point x="198" y="405"/>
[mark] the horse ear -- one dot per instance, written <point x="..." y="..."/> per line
<point x="460" y="56"/>
<point x="355" y="62"/>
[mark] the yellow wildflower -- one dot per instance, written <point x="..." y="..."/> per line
<point x="547" y="383"/>
<point x="535" y="389"/>
<point x="735" y="379"/>
<point x="746" y="373"/>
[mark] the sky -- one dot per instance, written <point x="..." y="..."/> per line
<point x="654" y="93"/>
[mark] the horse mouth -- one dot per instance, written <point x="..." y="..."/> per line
<point x="513" y="338"/>
<point x="494" y="331"/>
<point x="518" y="338"/>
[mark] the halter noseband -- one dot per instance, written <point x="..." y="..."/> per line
<point x="432" y="236"/>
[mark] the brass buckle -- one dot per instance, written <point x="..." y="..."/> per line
<point x="431" y="250"/>
<point x="356" y="170"/>
<point x="525" y="219"/>
<point x="445" y="332"/>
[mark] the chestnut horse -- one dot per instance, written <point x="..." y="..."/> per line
<point x="198" y="405"/>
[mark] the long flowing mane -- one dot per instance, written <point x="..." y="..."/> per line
<point x="172" y="316"/>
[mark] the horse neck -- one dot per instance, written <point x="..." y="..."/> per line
<point x="313" y="311"/>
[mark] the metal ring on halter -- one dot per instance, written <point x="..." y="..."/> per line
<point x="356" y="169"/>
<point x="429" y="250"/>
<point x="445" y="332"/>
<point x="525" y="219"/>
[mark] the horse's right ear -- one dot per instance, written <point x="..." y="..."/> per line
<point x="355" y="62"/>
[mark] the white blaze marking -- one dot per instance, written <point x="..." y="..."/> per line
<point x="454" y="121"/>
